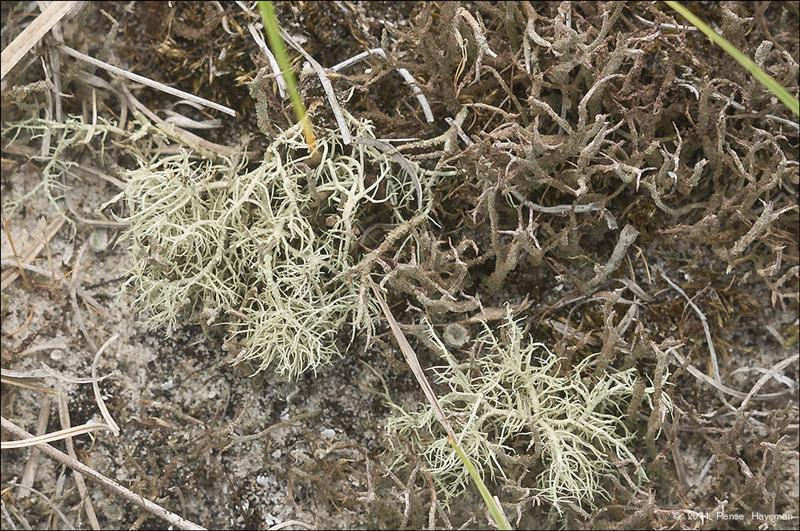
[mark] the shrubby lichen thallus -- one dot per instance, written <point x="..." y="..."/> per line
<point x="265" y="250"/>
<point x="509" y="406"/>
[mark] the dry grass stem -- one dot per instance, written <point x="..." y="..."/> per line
<point x="108" y="484"/>
<point x="66" y="423"/>
<point x="31" y="35"/>
<point x="32" y="465"/>
<point x="32" y="251"/>
<point x="347" y="138"/>
<point x="145" y="81"/>
<point x="96" y="386"/>
<point x="273" y="63"/>
<point x="55" y="436"/>
<point x="712" y="352"/>
<point x="404" y="73"/>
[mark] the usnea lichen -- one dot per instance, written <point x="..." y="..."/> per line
<point x="57" y="140"/>
<point x="265" y="250"/>
<point x="510" y="406"/>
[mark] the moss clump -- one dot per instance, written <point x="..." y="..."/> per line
<point x="511" y="407"/>
<point x="264" y="250"/>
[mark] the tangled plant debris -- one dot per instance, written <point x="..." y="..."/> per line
<point x="583" y="215"/>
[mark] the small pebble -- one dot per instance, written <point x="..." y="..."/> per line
<point x="99" y="240"/>
<point x="456" y="335"/>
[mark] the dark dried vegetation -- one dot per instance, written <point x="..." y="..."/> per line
<point x="622" y="185"/>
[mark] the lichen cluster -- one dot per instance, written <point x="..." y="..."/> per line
<point x="510" y="406"/>
<point x="265" y="250"/>
<point x="58" y="139"/>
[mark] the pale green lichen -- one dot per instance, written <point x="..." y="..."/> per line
<point x="265" y="249"/>
<point x="58" y="139"/>
<point x="510" y="405"/>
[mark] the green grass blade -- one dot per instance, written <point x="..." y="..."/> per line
<point x="494" y="511"/>
<point x="768" y="81"/>
<point x="273" y="32"/>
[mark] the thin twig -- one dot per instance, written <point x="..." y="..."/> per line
<point x="32" y="465"/>
<point x="50" y="503"/>
<point x="766" y="377"/>
<point x="405" y="74"/>
<point x="413" y="363"/>
<point x="55" y="66"/>
<point x="273" y="63"/>
<point x="492" y="504"/>
<point x="6" y="380"/>
<point x="347" y="63"/>
<point x="711" y="350"/>
<point x="186" y="137"/>
<point x="426" y="110"/>
<point x="102" y="223"/>
<point x="17" y="262"/>
<point x="53" y="436"/>
<point x="700" y="375"/>
<point x="97" y="173"/>
<point x="7" y="516"/>
<point x="47" y="372"/>
<point x="33" y="251"/>
<point x="664" y="25"/>
<point x="326" y="85"/>
<point x="145" y="81"/>
<point x="88" y="299"/>
<point x="99" y="397"/>
<point x="738" y="106"/>
<point x="108" y="484"/>
<point x="48" y="111"/>
<point x="287" y="523"/>
<point x="66" y="423"/>
<point x="74" y="285"/>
